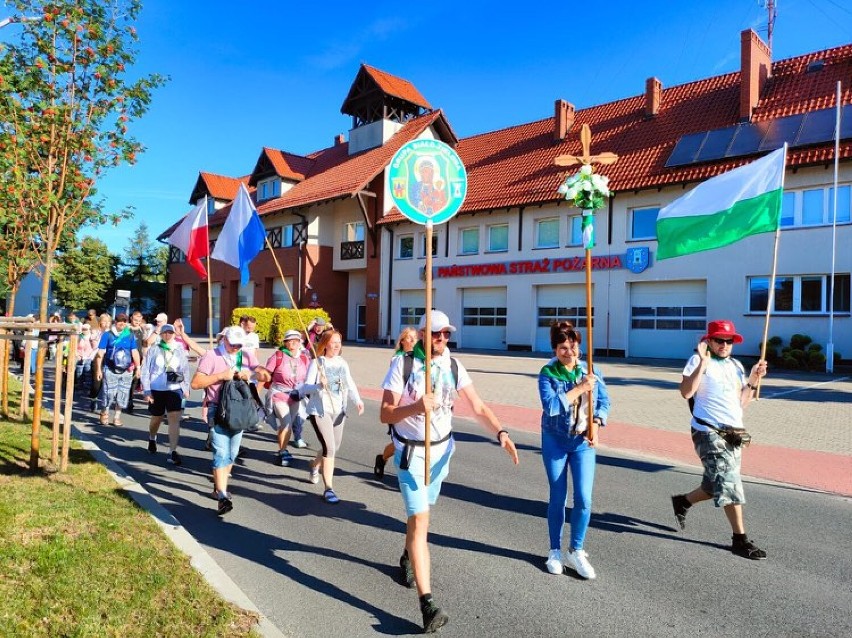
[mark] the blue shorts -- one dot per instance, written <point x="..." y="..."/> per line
<point x="225" y="442"/>
<point x="417" y="496"/>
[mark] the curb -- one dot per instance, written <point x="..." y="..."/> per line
<point x="171" y="526"/>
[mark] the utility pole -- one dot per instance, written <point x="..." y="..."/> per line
<point x="771" y="15"/>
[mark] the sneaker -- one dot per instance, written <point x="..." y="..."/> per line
<point x="215" y="495"/>
<point x="554" y="562"/>
<point x="314" y="475"/>
<point x="681" y="507"/>
<point x="747" y="549"/>
<point x="254" y="428"/>
<point x="300" y="443"/>
<point x="379" y="467"/>
<point x="433" y="617"/>
<point x="225" y="506"/>
<point x="330" y="497"/>
<point x="174" y="458"/>
<point x="152" y="446"/>
<point x="406" y="570"/>
<point x="284" y="458"/>
<point x="578" y="561"/>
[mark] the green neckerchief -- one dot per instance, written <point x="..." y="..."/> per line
<point x="557" y="370"/>
<point x="123" y="333"/>
<point x="419" y="352"/>
<point x="286" y="351"/>
<point x="239" y="360"/>
<point x="164" y="346"/>
<point x="718" y="358"/>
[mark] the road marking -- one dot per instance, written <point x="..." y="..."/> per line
<point x="810" y="387"/>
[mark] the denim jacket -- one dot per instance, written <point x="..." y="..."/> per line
<point x="557" y="415"/>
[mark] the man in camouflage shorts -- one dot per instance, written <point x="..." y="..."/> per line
<point x="718" y="389"/>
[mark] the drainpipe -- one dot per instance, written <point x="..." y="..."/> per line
<point x="301" y="257"/>
<point x="390" y="281"/>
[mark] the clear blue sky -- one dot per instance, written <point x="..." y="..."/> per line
<point x="254" y="74"/>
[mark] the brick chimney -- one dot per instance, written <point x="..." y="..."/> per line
<point x="563" y="119"/>
<point x="755" y="69"/>
<point x="339" y="139"/>
<point x="653" y="96"/>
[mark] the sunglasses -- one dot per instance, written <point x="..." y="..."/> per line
<point x="442" y="333"/>
<point x="719" y="342"/>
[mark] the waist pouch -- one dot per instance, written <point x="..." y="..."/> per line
<point x="734" y="438"/>
<point x="409" y="445"/>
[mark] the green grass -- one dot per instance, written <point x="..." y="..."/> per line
<point x="79" y="558"/>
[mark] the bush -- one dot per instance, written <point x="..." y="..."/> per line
<point x="801" y="354"/>
<point x="272" y="323"/>
<point x="262" y="315"/>
<point x="799" y="342"/>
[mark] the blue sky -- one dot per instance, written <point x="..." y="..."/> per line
<point x="254" y="74"/>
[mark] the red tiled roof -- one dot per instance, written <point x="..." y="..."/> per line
<point x="335" y="174"/>
<point x="221" y="186"/>
<point x="396" y="86"/>
<point x="514" y="166"/>
<point x="287" y="165"/>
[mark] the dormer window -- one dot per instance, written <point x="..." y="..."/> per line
<point x="211" y="206"/>
<point x="269" y="188"/>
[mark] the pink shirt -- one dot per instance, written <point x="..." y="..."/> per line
<point x="216" y="361"/>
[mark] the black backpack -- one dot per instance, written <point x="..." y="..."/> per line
<point x="237" y="408"/>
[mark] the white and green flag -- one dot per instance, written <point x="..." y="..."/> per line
<point x="742" y="202"/>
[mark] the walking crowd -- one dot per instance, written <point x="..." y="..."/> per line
<point x="307" y="380"/>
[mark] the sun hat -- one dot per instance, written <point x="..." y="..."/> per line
<point x="235" y="335"/>
<point x="292" y="334"/>
<point x="440" y="321"/>
<point x="162" y="318"/>
<point x="722" y="328"/>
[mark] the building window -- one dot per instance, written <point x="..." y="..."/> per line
<point x="547" y="233"/>
<point x="484" y="316"/>
<point x="690" y="318"/>
<point x="423" y="244"/>
<point x="410" y="315"/>
<point x="287" y="238"/>
<point x="211" y="205"/>
<point x="406" y="247"/>
<point x="469" y="241"/>
<point x="498" y="238"/>
<point x="575" y="314"/>
<point x="353" y="231"/>
<point x="643" y="223"/>
<point x="800" y="294"/>
<point x="280" y="298"/>
<point x="268" y="189"/>
<point x="575" y="225"/>
<point x="245" y="295"/>
<point x="815" y="207"/>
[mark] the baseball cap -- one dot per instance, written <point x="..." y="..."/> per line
<point x="319" y="321"/>
<point x="235" y="335"/>
<point x="440" y="321"/>
<point x="292" y="334"/>
<point x="163" y="318"/>
<point x="167" y="327"/>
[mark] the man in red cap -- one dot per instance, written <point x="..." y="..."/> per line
<point x="718" y="389"/>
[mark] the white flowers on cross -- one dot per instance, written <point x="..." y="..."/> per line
<point x="585" y="189"/>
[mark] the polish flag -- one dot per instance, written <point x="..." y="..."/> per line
<point x="192" y="238"/>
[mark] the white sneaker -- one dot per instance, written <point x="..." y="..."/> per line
<point x="579" y="562"/>
<point x="554" y="562"/>
<point x="300" y="443"/>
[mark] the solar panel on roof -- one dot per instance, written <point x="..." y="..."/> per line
<point x="747" y="139"/>
<point x="818" y="126"/>
<point x="685" y="150"/>
<point x="716" y="144"/>
<point x="845" y="121"/>
<point x="784" y="129"/>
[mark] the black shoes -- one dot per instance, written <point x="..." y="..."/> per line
<point x="225" y="506"/>
<point x="745" y="548"/>
<point x="681" y="506"/>
<point x="406" y="570"/>
<point x="152" y="447"/>
<point x="379" y="467"/>
<point x="433" y="617"/>
<point x="174" y="458"/>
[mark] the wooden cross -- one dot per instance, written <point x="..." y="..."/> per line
<point x="585" y="158"/>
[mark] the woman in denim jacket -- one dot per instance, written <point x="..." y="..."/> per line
<point x="564" y="387"/>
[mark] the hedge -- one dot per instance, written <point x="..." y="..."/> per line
<point x="273" y="323"/>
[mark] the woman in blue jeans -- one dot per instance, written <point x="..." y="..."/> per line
<point x="568" y="443"/>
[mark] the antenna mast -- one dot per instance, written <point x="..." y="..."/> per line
<point x="771" y="15"/>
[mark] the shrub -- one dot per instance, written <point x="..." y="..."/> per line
<point x="289" y="319"/>
<point x="801" y="354"/>
<point x="799" y="342"/>
<point x="262" y="315"/>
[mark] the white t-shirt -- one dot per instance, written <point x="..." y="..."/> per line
<point x="717" y="399"/>
<point x="252" y="342"/>
<point x="340" y="387"/>
<point x="444" y="389"/>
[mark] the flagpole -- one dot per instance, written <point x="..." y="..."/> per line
<point x="829" y="347"/>
<point x="209" y="287"/>
<point x="427" y="346"/>
<point x="770" y="302"/>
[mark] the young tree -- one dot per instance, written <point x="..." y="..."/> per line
<point x="84" y="274"/>
<point x="65" y="105"/>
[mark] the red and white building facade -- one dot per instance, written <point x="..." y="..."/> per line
<point x="512" y="260"/>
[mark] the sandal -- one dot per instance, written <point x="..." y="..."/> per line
<point x="104" y="418"/>
<point x="117" y="422"/>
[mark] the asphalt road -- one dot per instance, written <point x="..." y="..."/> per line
<point x="320" y="570"/>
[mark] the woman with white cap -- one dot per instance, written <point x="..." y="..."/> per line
<point x="288" y="367"/>
<point x="165" y="383"/>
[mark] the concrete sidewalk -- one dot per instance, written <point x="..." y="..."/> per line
<point x="802" y="424"/>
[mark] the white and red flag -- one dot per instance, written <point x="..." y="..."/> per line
<point x="192" y="238"/>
